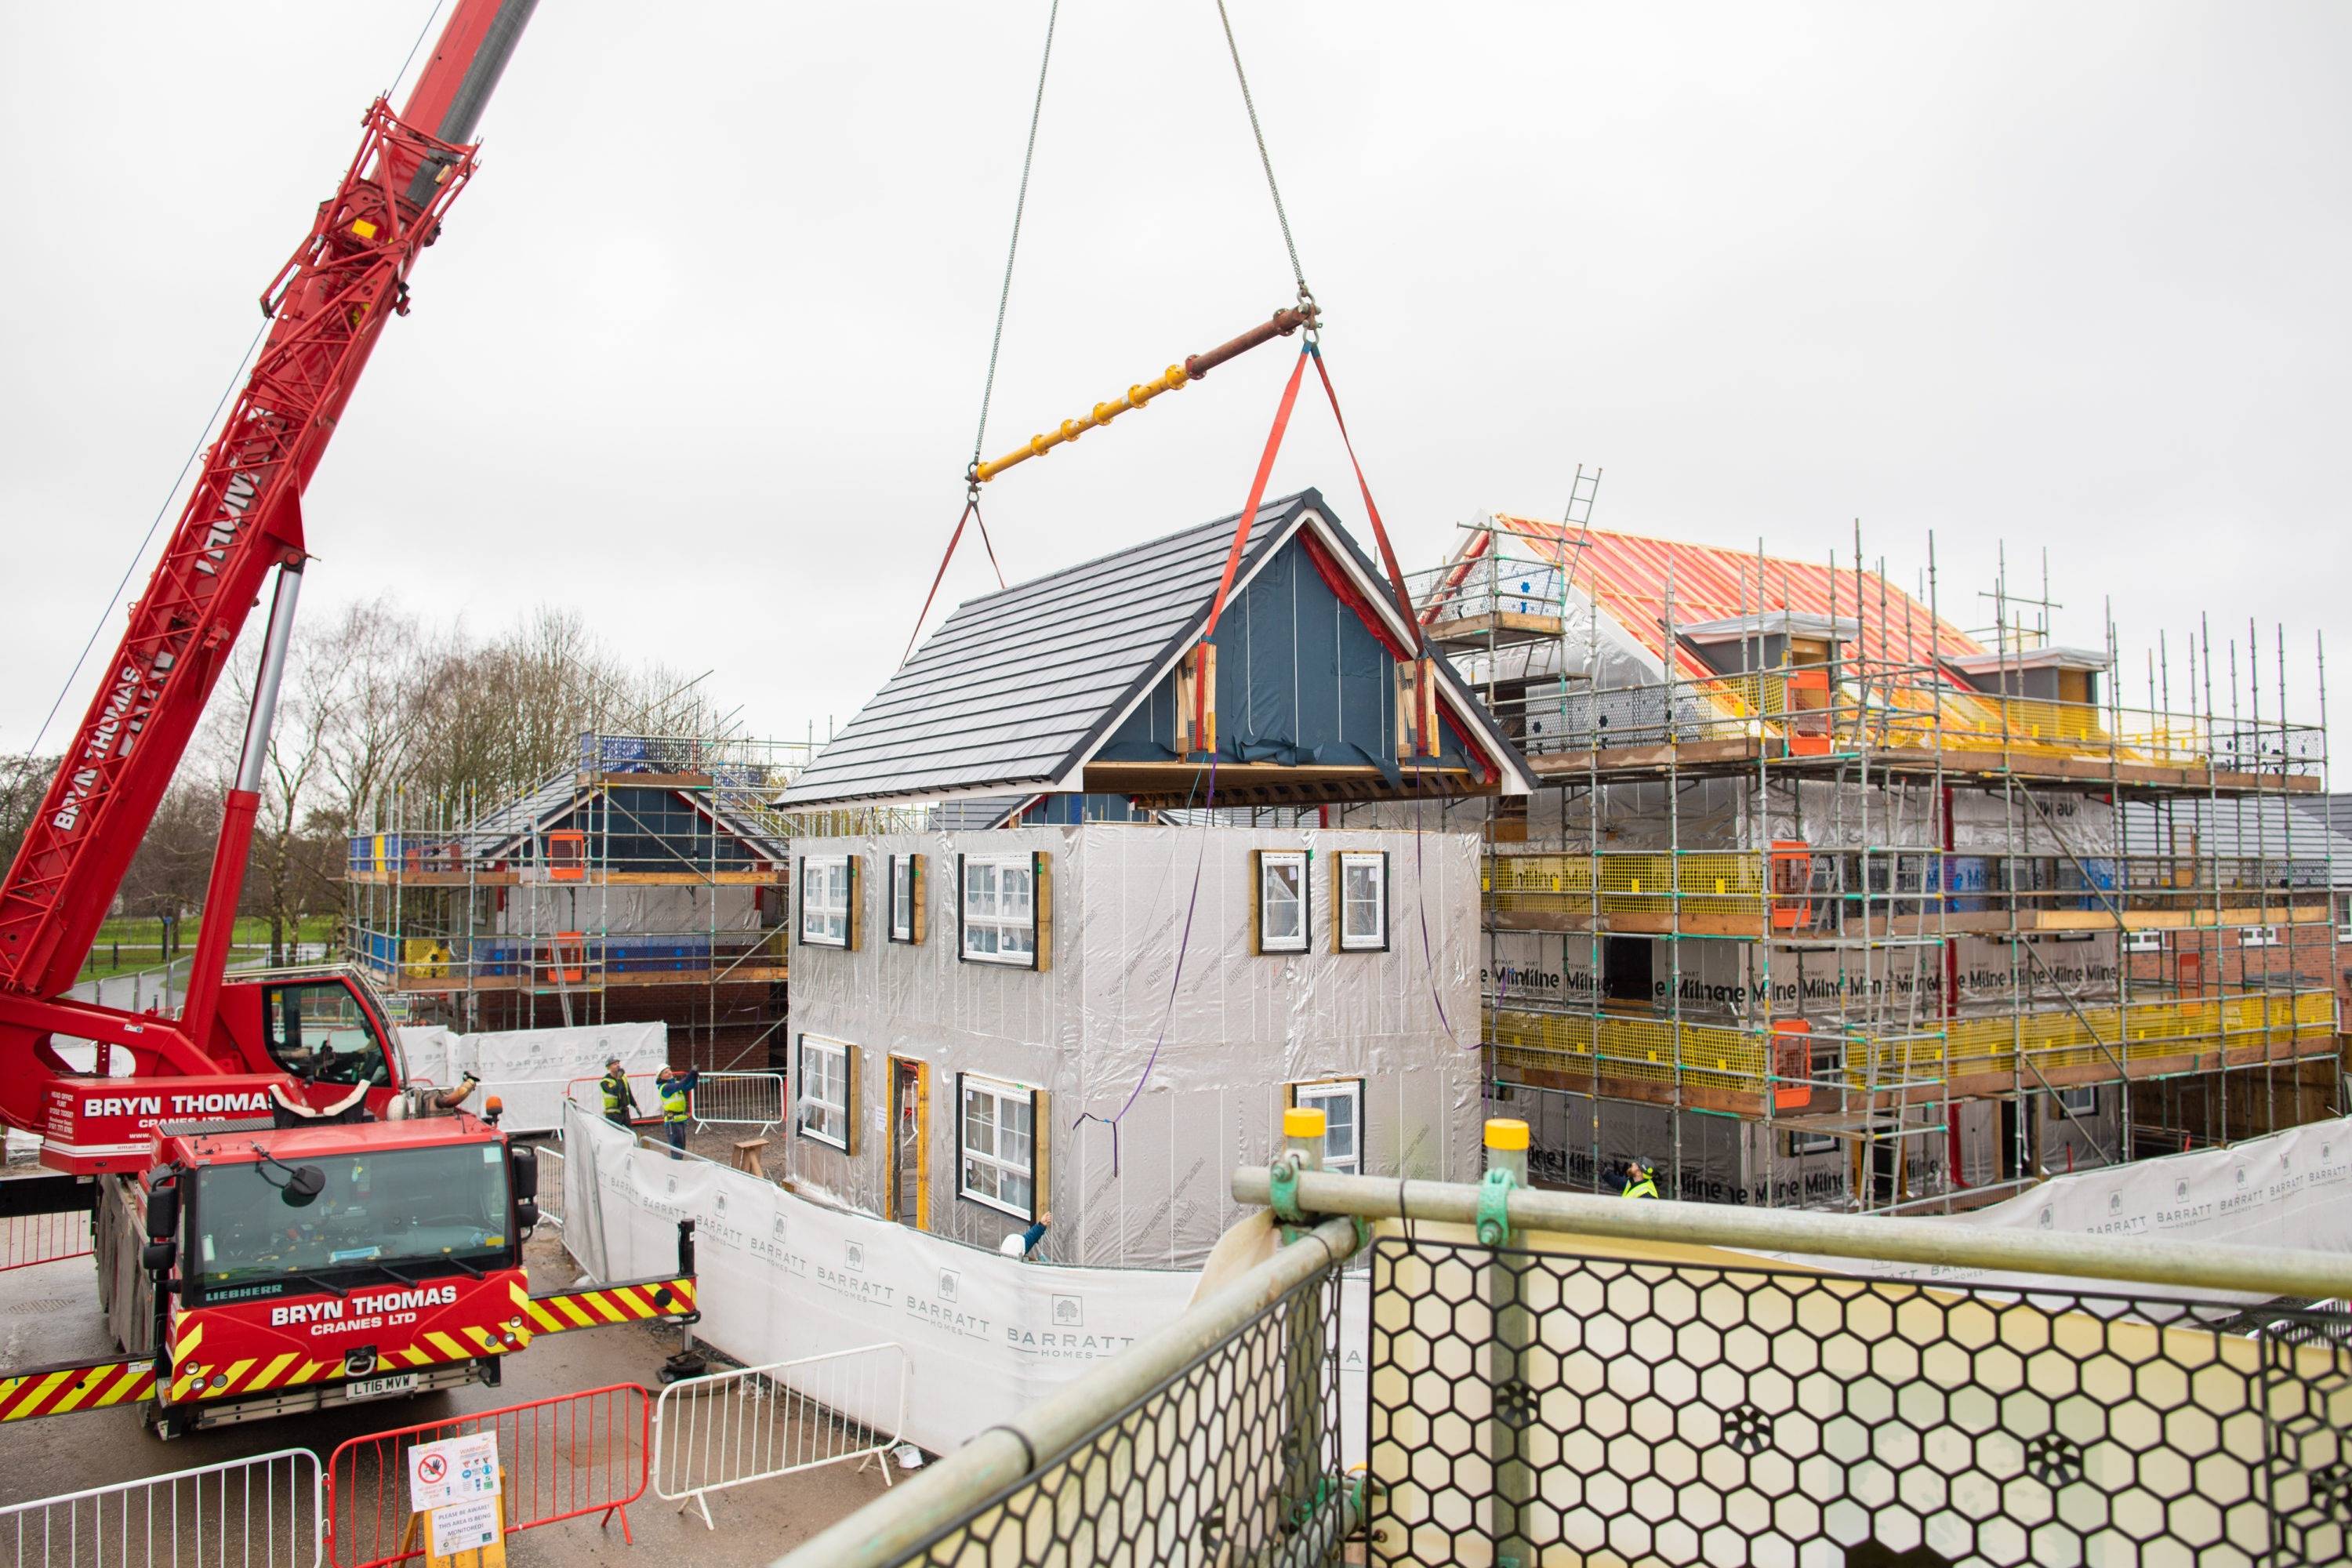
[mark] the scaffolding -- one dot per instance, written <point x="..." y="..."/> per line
<point x="1828" y="903"/>
<point x="648" y="881"/>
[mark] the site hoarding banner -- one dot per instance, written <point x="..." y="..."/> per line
<point x="781" y="1278"/>
<point x="528" y="1069"/>
<point x="2293" y="1189"/>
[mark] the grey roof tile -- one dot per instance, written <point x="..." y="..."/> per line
<point x="2294" y="837"/>
<point x="1013" y="687"/>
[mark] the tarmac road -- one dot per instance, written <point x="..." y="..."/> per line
<point x="48" y="1312"/>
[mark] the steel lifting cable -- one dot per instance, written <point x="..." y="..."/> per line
<point x="995" y="348"/>
<point x="1012" y="250"/>
<point x="1265" y="160"/>
<point x="1020" y="203"/>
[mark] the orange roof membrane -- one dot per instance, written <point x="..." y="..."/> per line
<point x="1628" y="575"/>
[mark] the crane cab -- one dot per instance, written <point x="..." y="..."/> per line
<point x="324" y="1028"/>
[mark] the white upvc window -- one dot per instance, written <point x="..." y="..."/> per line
<point x="1282" y="912"/>
<point x="903" y="873"/>
<point x="1341" y="1101"/>
<point x="2082" y="1101"/>
<point x="2258" y="936"/>
<point x="2143" y="942"/>
<point x="1811" y="1144"/>
<point x="999" y="908"/>
<point x="824" y="901"/>
<point x="1363" y="913"/>
<point x="997" y="1144"/>
<point x="824" y="1090"/>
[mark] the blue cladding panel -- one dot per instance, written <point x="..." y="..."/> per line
<point x="1301" y="680"/>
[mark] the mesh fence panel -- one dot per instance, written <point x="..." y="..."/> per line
<point x="1547" y="1407"/>
<point x="1234" y="1459"/>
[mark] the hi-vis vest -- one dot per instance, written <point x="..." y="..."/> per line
<point x="673" y="1102"/>
<point x="1647" y="1187"/>
<point x="616" y="1093"/>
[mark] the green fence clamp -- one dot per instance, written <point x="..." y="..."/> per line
<point x="1282" y="1192"/>
<point x="1494" y="1218"/>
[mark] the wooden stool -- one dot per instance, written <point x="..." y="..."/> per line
<point x="746" y="1156"/>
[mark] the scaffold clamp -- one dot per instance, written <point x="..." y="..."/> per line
<point x="1493" y="1214"/>
<point x="1282" y="1196"/>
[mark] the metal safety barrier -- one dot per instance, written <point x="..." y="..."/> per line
<point x="756" y="1422"/>
<point x="1213" y="1441"/>
<point x="561" y="1458"/>
<point x="551" y="1183"/>
<point x="737" y="1099"/>
<point x="720" y="1099"/>
<point x="1679" y="1413"/>
<point x="29" y="1239"/>
<point x="1553" y="1377"/>
<point x="263" y="1512"/>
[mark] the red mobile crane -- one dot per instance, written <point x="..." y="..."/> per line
<point x="280" y="1217"/>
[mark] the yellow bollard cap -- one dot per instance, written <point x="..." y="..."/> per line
<point x="1303" y="1121"/>
<point x="1507" y="1132"/>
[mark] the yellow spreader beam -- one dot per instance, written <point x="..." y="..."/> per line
<point x="1280" y="325"/>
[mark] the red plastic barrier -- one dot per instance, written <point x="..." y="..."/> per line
<point x="562" y="1458"/>
<point x="29" y="1239"/>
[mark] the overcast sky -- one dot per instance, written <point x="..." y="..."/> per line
<point x="701" y="351"/>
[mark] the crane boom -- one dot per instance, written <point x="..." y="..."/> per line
<point x="328" y="306"/>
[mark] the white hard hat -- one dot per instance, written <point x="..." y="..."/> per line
<point x="1011" y="1246"/>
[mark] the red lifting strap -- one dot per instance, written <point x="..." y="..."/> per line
<point x="1257" y="492"/>
<point x="971" y="514"/>
<point x="1266" y="471"/>
<point x="1379" y="534"/>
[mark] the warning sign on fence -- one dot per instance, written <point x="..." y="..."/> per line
<point x="467" y="1526"/>
<point x="455" y="1470"/>
<point x="453" y="1484"/>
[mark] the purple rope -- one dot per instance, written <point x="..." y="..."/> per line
<point x="1168" y="1013"/>
<point x="1421" y="906"/>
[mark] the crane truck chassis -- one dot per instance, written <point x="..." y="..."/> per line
<point x="262" y="1266"/>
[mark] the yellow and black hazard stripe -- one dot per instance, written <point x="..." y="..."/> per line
<point x="78" y="1385"/>
<point x="194" y="1378"/>
<point x="597" y="1306"/>
<point x="253" y="1375"/>
<point x="453" y="1344"/>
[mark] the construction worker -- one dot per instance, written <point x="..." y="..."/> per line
<point x="620" y="1105"/>
<point x="1023" y="1244"/>
<point x="671" y="1089"/>
<point x="1640" y="1181"/>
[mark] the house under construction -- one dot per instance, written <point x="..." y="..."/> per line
<point x="644" y="883"/>
<point x="1823" y="900"/>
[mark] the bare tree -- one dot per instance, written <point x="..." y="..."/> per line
<point x="369" y="728"/>
<point x="490" y="721"/>
<point x="290" y="872"/>
<point x="23" y="780"/>
<point x="382" y="720"/>
<point x="167" y="877"/>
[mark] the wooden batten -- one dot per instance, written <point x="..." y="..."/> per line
<point x="1041" y="895"/>
<point x="1196" y="700"/>
<point x="1416" y="708"/>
